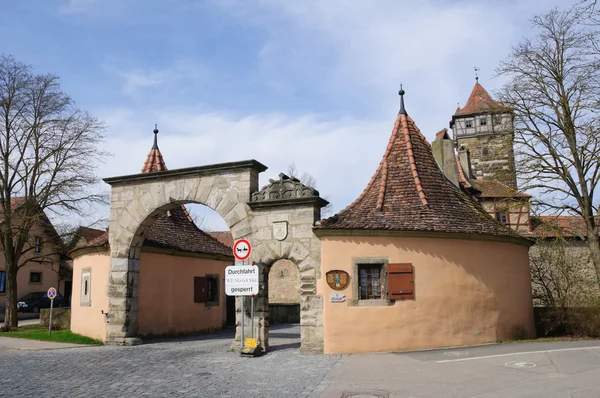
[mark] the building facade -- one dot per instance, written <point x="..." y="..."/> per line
<point x="425" y="265"/>
<point x="181" y="276"/>
<point x="485" y="128"/>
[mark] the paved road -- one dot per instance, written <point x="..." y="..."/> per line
<point x="202" y="367"/>
<point x="199" y="367"/>
<point x="561" y="369"/>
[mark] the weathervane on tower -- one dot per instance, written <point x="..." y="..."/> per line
<point x="476" y="73"/>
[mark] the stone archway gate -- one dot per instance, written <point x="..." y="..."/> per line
<point x="231" y="189"/>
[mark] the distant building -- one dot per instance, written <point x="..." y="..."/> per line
<point x="43" y="260"/>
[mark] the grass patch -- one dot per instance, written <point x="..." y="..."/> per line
<point x="40" y="332"/>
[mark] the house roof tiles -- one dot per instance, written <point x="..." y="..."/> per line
<point x="408" y="192"/>
<point x="479" y="102"/>
<point x="173" y="230"/>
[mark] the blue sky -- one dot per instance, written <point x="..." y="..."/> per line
<point x="309" y="82"/>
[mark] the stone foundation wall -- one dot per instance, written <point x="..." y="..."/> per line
<point x="61" y="317"/>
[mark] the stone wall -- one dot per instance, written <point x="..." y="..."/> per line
<point x="284" y="283"/>
<point x="231" y="189"/>
<point x="61" y="318"/>
<point x="562" y="273"/>
<point x="492" y="157"/>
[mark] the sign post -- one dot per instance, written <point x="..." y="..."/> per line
<point x="242" y="280"/>
<point x="51" y="295"/>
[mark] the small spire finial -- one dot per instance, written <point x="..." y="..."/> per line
<point x="155" y="146"/>
<point x="401" y="94"/>
<point x="476" y="73"/>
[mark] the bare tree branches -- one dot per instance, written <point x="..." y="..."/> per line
<point x="554" y="90"/>
<point x="48" y="155"/>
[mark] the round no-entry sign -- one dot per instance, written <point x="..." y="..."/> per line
<point x="242" y="249"/>
<point x="51" y="293"/>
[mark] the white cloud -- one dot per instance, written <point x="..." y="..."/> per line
<point x="77" y="6"/>
<point x="353" y="53"/>
<point x="341" y="154"/>
<point x="180" y="76"/>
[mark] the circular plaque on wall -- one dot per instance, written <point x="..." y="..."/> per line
<point x="337" y="280"/>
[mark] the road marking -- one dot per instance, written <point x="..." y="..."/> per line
<point x="520" y="365"/>
<point x="521" y="353"/>
<point x="456" y="353"/>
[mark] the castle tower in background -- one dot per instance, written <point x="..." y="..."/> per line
<point x="484" y="128"/>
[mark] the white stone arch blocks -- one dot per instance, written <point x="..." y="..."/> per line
<point x="231" y="189"/>
<point x="136" y="202"/>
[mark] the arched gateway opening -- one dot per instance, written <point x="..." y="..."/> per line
<point x="277" y="220"/>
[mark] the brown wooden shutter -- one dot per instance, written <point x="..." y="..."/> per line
<point x="199" y="289"/>
<point x="401" y="283"/>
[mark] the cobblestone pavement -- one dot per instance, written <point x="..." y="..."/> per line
<point x="193" y="367"/>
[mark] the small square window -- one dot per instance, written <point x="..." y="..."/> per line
<point x="369" y="276"/>
<point x="501" y="216"/>
<point x="38" y="245"/>
<point x="35" y="277"/>
<point x="469" y="124"/>
<point x="497" y="119"/>
<point x="483" y="122"/>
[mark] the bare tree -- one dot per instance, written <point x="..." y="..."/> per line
<point x="305" y="178"/>
<point x="48" y="155"/>
<point x="554" y="90"/>
<point x="310" y="181"/>
<point x="560" y="272"/>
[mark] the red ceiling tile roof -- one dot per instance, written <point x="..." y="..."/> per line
<point x="175" y="229"/>
<point x="224" y="237"/>
<point x="408" y="192"/>
<point x="555" y="226"/>
<point x="496" y="189"/>
<point x="89" y="234"/>
<point x="479" y="102"/>
<point x="154" y="160"/>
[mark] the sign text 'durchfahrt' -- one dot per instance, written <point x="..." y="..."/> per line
<point x="241" y="280"/>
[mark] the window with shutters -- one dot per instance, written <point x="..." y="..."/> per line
<point x="212" y="290"/>
<point x="369" y="276"/>
<point x="369" y="282"/>
<point x="200" y="291"/>
<point x="401" y="283"/>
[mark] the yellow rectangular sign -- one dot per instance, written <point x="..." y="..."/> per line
<point x="250" y="343"/>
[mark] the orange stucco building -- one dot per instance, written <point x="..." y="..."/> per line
<point x="426" y="265"/>
<point x="181" y="276"/>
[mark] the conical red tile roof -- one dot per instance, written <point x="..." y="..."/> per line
<point x="479" y="102"/>
<point x="175" y="229"/>
<point x="154" y="160"/>
<point x="408" y="192"/>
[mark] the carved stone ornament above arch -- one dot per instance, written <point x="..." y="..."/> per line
<point x="286" y="190"/>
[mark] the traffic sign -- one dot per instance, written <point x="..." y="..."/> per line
<point x="242" y="249"/>
<point x="241" y="280"/>
<point x="52" y="293"/>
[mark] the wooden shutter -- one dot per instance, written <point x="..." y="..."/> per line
<point x="199" y="289"/>
<point x="401" y="284"/>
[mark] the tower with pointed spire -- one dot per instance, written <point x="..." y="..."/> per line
<point x="484" y="128"/>
<point x="154" y="160"/>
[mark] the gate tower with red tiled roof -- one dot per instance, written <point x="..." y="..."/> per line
<point x="484" y="127"/>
